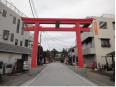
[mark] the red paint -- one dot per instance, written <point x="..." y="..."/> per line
<point x="54" y="29"/>
<point x="36" y="29"/>
<point x="79" y="49"/>
<point x="79" y="46"/>
<point x="55" y="20"/>
<point x="35" y="50"/>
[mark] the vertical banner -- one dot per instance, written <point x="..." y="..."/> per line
<point x="95" y="28"/>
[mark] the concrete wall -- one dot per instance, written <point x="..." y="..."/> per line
<point x="104" y="33"/>
<point x="6" y="23"/>
<point x="98" y="50"/>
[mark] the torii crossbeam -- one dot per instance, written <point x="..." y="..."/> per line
<point x="80" y="25"/>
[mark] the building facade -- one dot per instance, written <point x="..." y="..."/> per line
<point x="15" y="44"/>
<point x="99" y="41"/>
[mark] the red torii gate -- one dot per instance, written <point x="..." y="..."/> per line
<point x="36" y="28"/>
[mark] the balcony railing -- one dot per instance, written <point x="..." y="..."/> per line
<point x="88" y="51"/>
<point x="85" y="35"/>
<point x="11" y="6"/>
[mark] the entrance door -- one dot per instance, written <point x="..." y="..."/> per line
<point x="19" y="65"/>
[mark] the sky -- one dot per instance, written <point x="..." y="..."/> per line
<point x="64" y="9"/>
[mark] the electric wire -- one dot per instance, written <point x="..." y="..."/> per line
<point x="46" y="41"/>
<point x="31" y="8"/>
<point x="60" y="41"/>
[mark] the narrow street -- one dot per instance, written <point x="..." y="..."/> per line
<point x="57" y="74"/>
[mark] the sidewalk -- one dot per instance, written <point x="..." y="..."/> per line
<point x="19" y="79"/>
<point x="100" y="79"/>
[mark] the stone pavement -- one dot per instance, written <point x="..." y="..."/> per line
<point x="57" y="74"/>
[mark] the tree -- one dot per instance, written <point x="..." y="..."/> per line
<point x="64" y="53"/>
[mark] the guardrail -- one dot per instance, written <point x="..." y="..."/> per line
<point x="11" y="6"/>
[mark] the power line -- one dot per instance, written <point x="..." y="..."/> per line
<point x="35" y="14"/>
<point x="46" y="42"/>
<point x="31" y="8"/>
<point x="59" y="40"/>
<point x="35" y="11"/>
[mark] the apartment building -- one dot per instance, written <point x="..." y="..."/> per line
<point x="15" y="44"/>
<point x="99" y="41"/>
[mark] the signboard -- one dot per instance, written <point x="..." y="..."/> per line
<point x="95" y="28"/>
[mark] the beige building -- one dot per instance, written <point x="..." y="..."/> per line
<point x="99" y="41"/>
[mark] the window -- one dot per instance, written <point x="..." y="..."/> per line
<point x="4" y="13"/>
<point x="1" y="65"/>
<point x="103" y="25"/>
<point x="16" y="41"/>
<point x="14" y="20"/>
<point x="18" y="26"/>
<point x="12" y="37"/>
<point x="105" y="42"/>
<point x="5" y="34"/>
<point x="26" y="43"/>
<point x="9" y="66"/>
<point x="22" y="32"/>
<point x="21" y="43"/>
<point x="113" y="23"/>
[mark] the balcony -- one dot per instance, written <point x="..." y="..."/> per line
<point x="88" y="51"/>
<point x="86" y="35"/>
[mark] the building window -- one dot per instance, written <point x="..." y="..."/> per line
<point x="12" y="37"/>
<point x="103" y="25"/>
<point x="113" y="23"/>
<point x="4" y="13"/>
<point x="26" y="43"/>
<point x="16" y="41"/>
<point x="9" y="66"/>
<point x="14" y="20"/>
<point x="18" y="26"/>
<point x="21" y="43"/>
<point x="105" y="42"/>
<point x="5" y="34"/>
<point x="22" y="32"/>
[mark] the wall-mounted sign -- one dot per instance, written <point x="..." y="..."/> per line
<point x="95" y="28"/>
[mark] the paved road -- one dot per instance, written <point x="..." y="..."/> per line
<point x="57" y="74"/>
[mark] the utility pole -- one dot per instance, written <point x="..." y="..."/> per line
<point x="40" y="37"/>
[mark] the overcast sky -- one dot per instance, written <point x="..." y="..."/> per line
<point x="64" y="9"/>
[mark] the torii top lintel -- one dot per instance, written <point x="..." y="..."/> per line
<point x="77" y="22"/>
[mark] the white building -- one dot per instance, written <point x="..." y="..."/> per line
<point x="15" y="44"/>
<point x="99" y="41"/>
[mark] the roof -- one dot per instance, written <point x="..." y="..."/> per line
<point x="111" y="53"/>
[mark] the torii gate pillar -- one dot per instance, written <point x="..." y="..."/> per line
<point x="35" y="49"/>
<point x="79" y="46"/>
